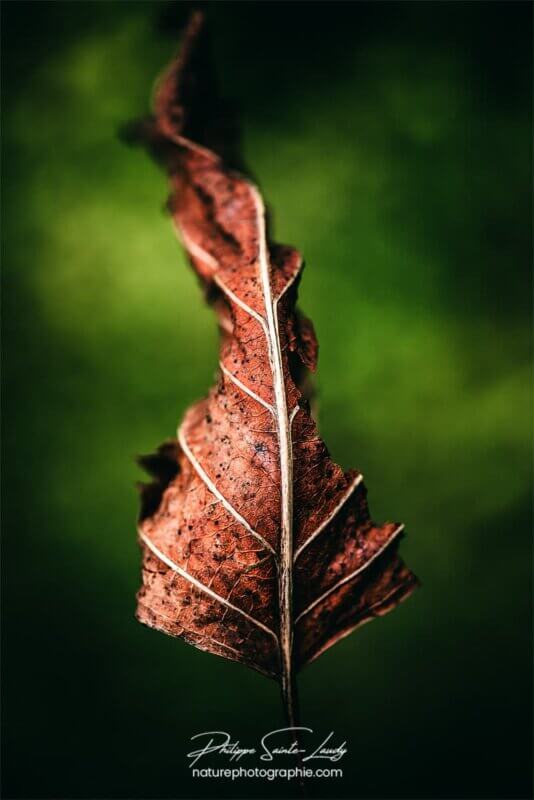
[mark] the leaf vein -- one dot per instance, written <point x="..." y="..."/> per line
<point x="350" y="577"/>
<point x="356" y="482"/>
<point x="188" y="577"/>
<point x="213" y="489"/>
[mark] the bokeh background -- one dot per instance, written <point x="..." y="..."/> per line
<point x="392" y="141"/>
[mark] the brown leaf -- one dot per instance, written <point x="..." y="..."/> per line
<point x="256" y="545"/>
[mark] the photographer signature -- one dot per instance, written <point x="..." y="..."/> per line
<point x="272" y="744"/>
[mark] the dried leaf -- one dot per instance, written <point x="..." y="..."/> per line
<point x="256" y="545"/>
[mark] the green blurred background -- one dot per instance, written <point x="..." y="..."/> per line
<point x="393" y="143"/>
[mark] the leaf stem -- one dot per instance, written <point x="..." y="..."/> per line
<point x="290" y="699"/>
